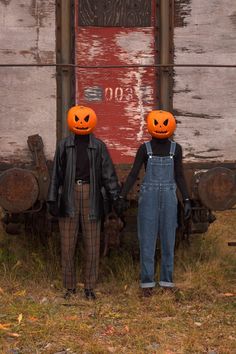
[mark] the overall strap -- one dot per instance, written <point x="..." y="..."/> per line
<point x="149" y="148"/>
<point x="172" y="148"/>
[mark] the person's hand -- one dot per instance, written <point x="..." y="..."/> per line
<point x="187" y="209"/>
<point x="53" y="209"/>
<point x="120" y="205"/>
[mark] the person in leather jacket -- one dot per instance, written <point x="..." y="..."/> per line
<point x="82" y="167"/>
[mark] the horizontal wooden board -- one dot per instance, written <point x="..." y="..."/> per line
<point x="27" y="94"/>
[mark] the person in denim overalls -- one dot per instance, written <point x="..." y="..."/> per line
<point x="157" y="206"/>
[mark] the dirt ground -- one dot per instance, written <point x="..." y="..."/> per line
<point x="199" y="318"/>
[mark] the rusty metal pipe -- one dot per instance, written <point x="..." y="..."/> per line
<point x="123" y="66"/>
<point x="65" y="49"/>
<point x="164" y="53"/>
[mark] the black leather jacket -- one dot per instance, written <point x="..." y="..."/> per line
<point x="102" y="174"/>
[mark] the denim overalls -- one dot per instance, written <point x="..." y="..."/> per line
<point x="157" y="214"/>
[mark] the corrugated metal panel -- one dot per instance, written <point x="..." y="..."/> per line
<point x="27" y="95"/>
<point x="120" y="96"/>
<point x="204" y="98"/>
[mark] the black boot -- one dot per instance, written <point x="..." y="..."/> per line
<point x="89" y="294"/>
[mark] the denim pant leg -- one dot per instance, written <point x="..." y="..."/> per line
<point x="147" y="234"/>
<point x="168" y="224"/>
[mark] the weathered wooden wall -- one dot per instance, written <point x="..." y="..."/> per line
<point x="27" y="95"/>
<point x="205" y="98"/>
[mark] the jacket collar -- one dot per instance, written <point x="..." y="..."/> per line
<point x="70" y="141"/>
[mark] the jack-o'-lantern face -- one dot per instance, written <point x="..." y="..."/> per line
<point x="81" y="120"/>
<point x="161" y="124"/>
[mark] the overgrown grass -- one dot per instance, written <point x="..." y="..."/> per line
<point x="200" y="318"/>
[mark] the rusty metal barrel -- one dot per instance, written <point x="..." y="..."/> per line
<point x="19" y="190"/>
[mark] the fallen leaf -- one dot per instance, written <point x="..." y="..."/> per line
<point x="198" y="324"/>
<point x="228" y="294"/>
<point x="71" y="318"/>
<point x="15" y="335"/>
<point x="20" y="318"/>
<point x="1" y="291"/>
<point x="48" y="346"/>
<point x="32" y="319"/>
<point x="109" y="330"/>
<point x="20" y="293"/>
<point x="126" y="329"/>
<point x="5" y="326"/>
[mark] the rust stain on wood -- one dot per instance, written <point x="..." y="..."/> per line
<point x="40" y="11"/>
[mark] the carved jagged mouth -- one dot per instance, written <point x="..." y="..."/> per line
<point x="81" y="128"/>
<point x="161" y="132"/>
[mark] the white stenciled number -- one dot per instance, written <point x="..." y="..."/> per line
<point x="108" y="93"/>
<point x="118" y="94"/>
<point x="128" y="93"/>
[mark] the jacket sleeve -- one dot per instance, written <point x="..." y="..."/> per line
<point x="57" y="175"/>
<point x="109" y="176"/>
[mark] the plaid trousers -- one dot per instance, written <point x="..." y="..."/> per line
<point x="69" y="228"/>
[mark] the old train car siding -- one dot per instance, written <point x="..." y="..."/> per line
<point x="27" y="95"/>
<point x="117" y="33"/>
<point x="204" y="98"/>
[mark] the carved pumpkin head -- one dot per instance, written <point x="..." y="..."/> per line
<point x="81" y="120"/>
<point x="161" y="124"/>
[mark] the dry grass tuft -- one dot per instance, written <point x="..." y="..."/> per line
<point x="199" y="318"/>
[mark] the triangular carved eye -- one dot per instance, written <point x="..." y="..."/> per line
<point x="86" y="118"/>
<point x="76" y="119"/>
<point x="155" y="122"/>
<point x="165" y="122"/>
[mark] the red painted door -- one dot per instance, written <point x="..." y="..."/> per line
<point x="118" y="33"/>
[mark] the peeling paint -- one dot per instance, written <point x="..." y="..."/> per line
<point x="182" y="12"/>
<point x="120" y="96"/>
<point x="93" y="93"/>
<point x="140" y="105"/>
<point x="135" y="46"/>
